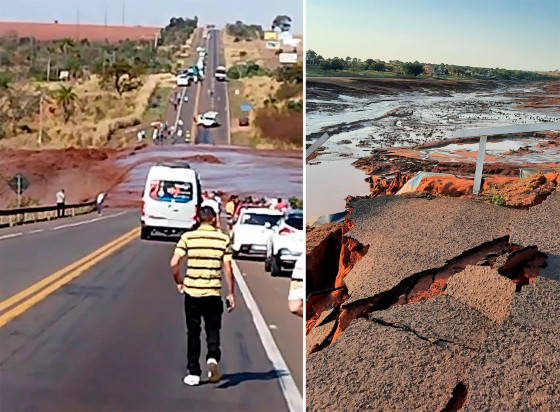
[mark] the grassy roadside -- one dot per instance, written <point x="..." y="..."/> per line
<point x="315" y="71"/>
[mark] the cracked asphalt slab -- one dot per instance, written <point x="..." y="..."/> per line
<point x="502" y="345"/>
<point x="407" y="235"/>
<point x="519" y="365"/>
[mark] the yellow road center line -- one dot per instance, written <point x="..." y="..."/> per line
<point x="41" y="290"/>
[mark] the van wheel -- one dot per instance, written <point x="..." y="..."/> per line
<point x="275" y="269"/>
<point x="267" y="265"/>
<point x="235" y="254"/>
<point x="145" y="233"/>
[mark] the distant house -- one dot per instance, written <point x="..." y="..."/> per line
<point x="429" y="69"/>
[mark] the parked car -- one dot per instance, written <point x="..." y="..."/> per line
<point x="253" y="228"/>
<point x="207" y="119"/>
<point x="171" y="199"/>
<point x="285" y="244"/>
<point x="244" y="121"/>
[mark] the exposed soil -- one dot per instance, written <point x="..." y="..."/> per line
<point x="329" y="88"/>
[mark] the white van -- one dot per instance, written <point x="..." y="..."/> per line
<point x="171" y="199"/>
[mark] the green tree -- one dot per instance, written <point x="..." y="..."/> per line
<point x="412" y="69"/>
<point x="311" y="56"/>
<point x="337" y="64"/>
<point x="325" y="65"/>
<point x="66" y="97"/>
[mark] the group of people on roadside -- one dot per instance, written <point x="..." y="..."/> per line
<point x="164" y="132"/>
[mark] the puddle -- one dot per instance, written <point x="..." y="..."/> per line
<point x="241" y="171"/>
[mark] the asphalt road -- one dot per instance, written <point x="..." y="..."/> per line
<point x="213" y="96"/>
<point x="114" y="337"/>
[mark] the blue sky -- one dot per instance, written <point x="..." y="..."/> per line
<point x="512" y="34"/>
<point x="153" y="12"/>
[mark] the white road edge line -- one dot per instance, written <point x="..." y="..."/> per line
<point x="83" y="222"/>
<point x="287" y="383"/>
<point x="36" y="231"/>
<point x="11" y="235"/>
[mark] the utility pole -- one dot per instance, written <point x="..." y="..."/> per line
<point x="40" y="139"/>
<point x="123" y="12"/>
<point x="49" y="69"/>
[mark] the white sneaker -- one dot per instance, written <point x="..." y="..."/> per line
<point x="191" y="380"/>
<point x="213" y="371"/>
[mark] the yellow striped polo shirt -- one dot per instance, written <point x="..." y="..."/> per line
<point x="206" y="249"/>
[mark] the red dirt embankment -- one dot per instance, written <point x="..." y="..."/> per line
<point x="92" y="32"/>
<point x="83" y="173"/>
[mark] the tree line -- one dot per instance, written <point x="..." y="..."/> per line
<point x="416" y="68"/>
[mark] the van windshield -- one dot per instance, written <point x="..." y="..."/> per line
<point x="260" y="220"/>
<point x="171" y="191"/>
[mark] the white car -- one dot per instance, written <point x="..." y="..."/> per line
<point x="253" y="228"/>
<point x="171" y="199"/>
<point x="221" y="73"/>
<point x="207" y="119"/>
<point x="183" y="80"/>
<point x="285" y="244"/>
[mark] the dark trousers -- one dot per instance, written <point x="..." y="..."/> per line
<point x="209" y="308"/>
<point x="60" y="210"/>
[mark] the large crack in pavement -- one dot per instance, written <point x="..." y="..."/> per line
<point x="453" y="331"/>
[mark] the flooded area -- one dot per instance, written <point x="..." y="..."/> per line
<point x="232" y="170"/>
<point x="358" y="124"/>
<point x="342" y="179"/>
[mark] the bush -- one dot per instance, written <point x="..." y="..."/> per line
<point x="290" y="73"/>
<point x="295" y="105"/>
<point x="282" y="126"/>
<point x="498" y="200"/>
<point x="288" y="90"/>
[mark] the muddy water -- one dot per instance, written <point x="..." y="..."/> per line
<point x="433" y="117"/>
<point x="329" y="183"/>
<point x="241" y="171"/>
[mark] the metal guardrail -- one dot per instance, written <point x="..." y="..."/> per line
<point x="12" y="217"/>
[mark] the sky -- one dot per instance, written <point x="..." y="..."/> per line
<point x="511" y="34"/>
<point x="153" y="12"/>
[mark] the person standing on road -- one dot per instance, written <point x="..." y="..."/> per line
<point x="296" y="294"/>
<point x="60" y="203"/>
<point x="208" y="251"/>
<point x="100" y="199"/>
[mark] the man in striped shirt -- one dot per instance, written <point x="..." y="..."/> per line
<point x="208" y="251"/>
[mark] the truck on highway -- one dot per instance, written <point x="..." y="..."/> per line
<point x="170" y="201"/>
<point x="221" y="73"/>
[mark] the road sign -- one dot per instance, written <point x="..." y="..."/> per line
<point x="19" y="183"/>
<point x="246" y="107"/>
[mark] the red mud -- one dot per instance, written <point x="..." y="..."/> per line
<point x="548" y="98"/>
<point x="82" y="172"/>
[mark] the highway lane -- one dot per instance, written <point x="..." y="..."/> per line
<point x="213" y="96"/>
<point x="114" y="337"/>
<point x="271" y="294"/>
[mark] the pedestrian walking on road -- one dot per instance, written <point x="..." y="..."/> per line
<point x="99" y="205"/>
<point x="60" y="203"/>
<point x="297" y="292"/>
<point x="208" y="251"/>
